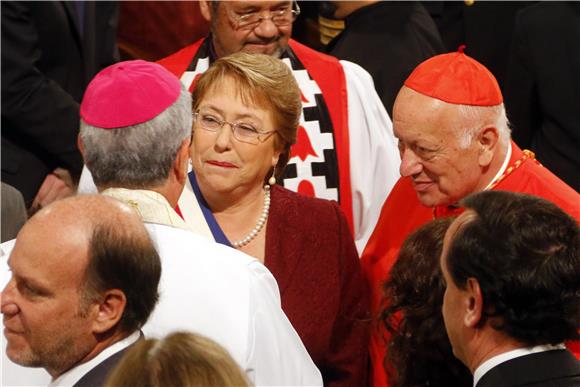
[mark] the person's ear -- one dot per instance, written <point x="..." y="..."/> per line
<point x="181" y="163"/>
<point x="473" y="303"/>
<point x="109" y="310"/>
<point x="488" y="139"/>
<point x="205" y="8"/>
<point x="276" y="157"/>
<point x="80" y="145"/>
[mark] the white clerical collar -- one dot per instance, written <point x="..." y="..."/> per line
<point x="508" y="156"/>
<point x="501" y="358"/>
<point x="73" y="375"/>
<point x="151" y="206"/>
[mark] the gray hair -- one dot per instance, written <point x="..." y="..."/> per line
<point x="475" y="118"/>
<point x="138" y="156"/>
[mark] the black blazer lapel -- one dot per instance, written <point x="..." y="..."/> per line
<point x="98" y="375"/>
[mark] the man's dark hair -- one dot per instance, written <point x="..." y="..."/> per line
<point x="125" y="260"/>
<point x="525" y="253"/>
<point x="412" y="315"/>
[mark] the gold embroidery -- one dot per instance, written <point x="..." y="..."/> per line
<point x="150" y="205"/>
<point x="527" y="154"/>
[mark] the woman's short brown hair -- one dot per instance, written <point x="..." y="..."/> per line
<point x="262" y="80"/>
<point x="180" y="359"/>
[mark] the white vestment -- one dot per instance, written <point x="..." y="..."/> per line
<point x="221" y="293"/>
<point x="232" y="298"/>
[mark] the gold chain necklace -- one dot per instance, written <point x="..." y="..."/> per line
<point x="527" y="154"/>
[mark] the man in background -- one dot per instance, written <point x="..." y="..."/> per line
<point x="388" y="39"/>
<point x="543" y="86"/>
<point x="50" y="51"/>
<point x="511" y="265"/>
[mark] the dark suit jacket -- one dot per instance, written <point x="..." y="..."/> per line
<point x="46" y="64"/>
<point x="311" y="253"/>
<point x="558" y="368"/>
<point x="543" y="86"/>
<point x="388" y="39"/>
<point x="485" y="27"/>
<point x="98" y="375"/>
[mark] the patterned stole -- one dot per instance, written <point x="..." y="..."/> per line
<point x="313" y="168"/>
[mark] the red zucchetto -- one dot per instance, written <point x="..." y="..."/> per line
<point x="128" y="93"/>
<point x="456" y="78"/>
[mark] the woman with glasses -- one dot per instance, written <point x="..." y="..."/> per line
<point x="246" y="113"/>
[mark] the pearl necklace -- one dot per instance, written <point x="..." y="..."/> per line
<point x="261" y="221"/>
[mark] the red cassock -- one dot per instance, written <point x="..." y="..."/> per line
<point x="402" y="213"/>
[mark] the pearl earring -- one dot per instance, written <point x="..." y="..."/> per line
<point x="272" y="179"/>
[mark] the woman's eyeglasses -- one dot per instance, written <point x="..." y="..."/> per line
<point x="242" y="131"/>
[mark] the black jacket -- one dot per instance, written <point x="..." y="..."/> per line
<point x="543" y="86"/>
<point x="46" y="64"/>
<point x="388" y="39"/>
<point x="558" y="368"/>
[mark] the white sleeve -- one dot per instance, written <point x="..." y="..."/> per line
<point x="276" y="355"/>
<point x="86" y="183"/>
<point x="374" y="156"/>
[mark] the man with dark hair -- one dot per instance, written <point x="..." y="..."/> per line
<point x="73" y="305"/>
<point x="511" y="264"/>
